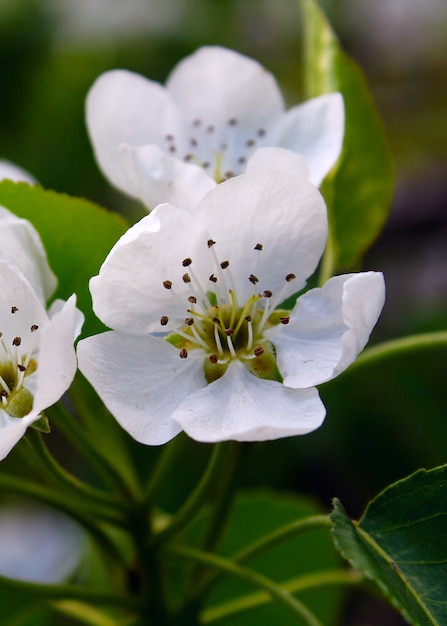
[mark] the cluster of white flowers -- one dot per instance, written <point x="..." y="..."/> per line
<point x="37" y="356"/>
<point x="193" y="291"/>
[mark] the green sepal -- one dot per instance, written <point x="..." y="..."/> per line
<point x="42" y="424"/>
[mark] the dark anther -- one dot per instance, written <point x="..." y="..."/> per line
<point x="258" y="246"/>
<point x="183" y="353"/>
<point x="229" y="174"/>
<point x="261" y="132"/>
<point x="193" y="142"/>
<point x="21" y="367"/>
<point x="210" y="129"/>
<point x="232" y="121"/>
<point x="290" y="277"/>
<point x="188" y="157"/>
<point x="3" y="393"/>
<point x="192" y="299"/>
<point x="186" y="278"/>
<point x="229" y="331"/>
<point x="169" y="138"/>
<point x="164" y="319"/>
<point x="206" y="165"/>
<point x="250" y="143"/>
<point x="189" y="321"/>
<point x="172" y="149"/>
<point x="14" y="309"/>
<point x="213" y="279"/>
<point x="241" y="160"/>
<point x="253" y="279"/>
<point x="267" y="293"/>
<point x="210" y="242"/>
<point x="258" y="351"/>
<point x="214" y="358"/>
<point x="284" y="320"/>
<point x="216" y="320"/>
<point x="167" y="284"/>
<point x="34" y="327"/>
<point x="16" y="341"/>
<point x="248" y="318"/>
<point x="186" y="262"/>
<point x="224" y="264"/>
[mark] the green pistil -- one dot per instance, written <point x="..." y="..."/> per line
<point x="16" y="400"/>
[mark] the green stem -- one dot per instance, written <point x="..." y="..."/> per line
<point x="279" y="594"/>
<point x="199" y="496"/>
<point x="164" y="464"/>
<point x="282" y="534"/>
<point x="97" y="496"/>
<point x="296" y="585"/>
<point x="70" y="592"/>
<point x="71" y="506"/>
<point x="80" y="438"/>
<point x="397" y="347"/>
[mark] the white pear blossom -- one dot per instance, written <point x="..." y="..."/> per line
<point x="217" y="111"/>
<point x="39" y="544"/>
<point x="198" y="341"/>
<point x="11" y="171"/>
<point x="37" y="356"/>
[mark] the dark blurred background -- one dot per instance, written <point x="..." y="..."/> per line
<point x="383" y="422"/>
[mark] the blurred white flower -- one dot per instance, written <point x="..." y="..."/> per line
<point x="11" y="171"/>
<point x="37" y="356"/>
<point x="198" y="342"/>
<point x="219" y="109"/>
<point x="38" y="544"/>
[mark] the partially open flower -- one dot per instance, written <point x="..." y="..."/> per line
<point x="219" y="110"/>
<point x="199" y="343"/>
<point x="37" y="356"/>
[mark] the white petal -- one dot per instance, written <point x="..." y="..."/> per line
<point x="155" y="177"/>
<point x="216" y="84"/>
<point x="141" y="380"/>
<point x="280" y="159"/>
<point x="243" y="407"/>
<point x="315" y="129"/>
<point x="128" y="294"/>
<point x="284" y="213"/>
<point x="10" y="171"/>
<point x="38" y="544"/>
<point x="123" y="107"/>
<point x="57" y="359"/>
<point x="12" y="430"/>
<point x="21" y="243"/>
<point x="328" y="328"/>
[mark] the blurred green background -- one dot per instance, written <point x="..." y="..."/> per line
<point x="383" y="422"/>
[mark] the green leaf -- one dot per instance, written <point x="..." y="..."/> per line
<point x="254" y="515"/>
<point x="359" y="191"/>
<point x="401" y="543"/>
<point x="77" y="236"/>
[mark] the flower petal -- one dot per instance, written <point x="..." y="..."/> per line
<point x="38" y="544"/>
<point x="315" y="129"/>
<point x="123" y="107"/>
<point x="215" y="85"/>
<point x="243" y="407"/>
<point x="12" y="430"/>
<point x="328" y="328"/>
<point x="284" y="213"/>
<point x="57" y="359"/>
<point x="280" y="159"/>
<point x="11" y="171"/>
<point x="21" y="243"/>
<point x="141" y="380"/>
<point x="156" y="177"/>
<point x="128" y="294"/>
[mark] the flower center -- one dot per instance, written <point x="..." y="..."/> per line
<point x="222" y="150"/>
<point x="15" y="364"/>
<point x="218" y="327"/>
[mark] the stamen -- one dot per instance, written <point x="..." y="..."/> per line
<point x="230" y="345"/>
<point x="164" y="320"/>
<point x="290" y="277"/>
<point x="224" y="264"/>
<point x="14" y="309"/>
<point x="34" y="327"/>
<point x="186" y="262"/>
<point x="167" y="284"/>
<point x="258" y="351"/>
<point x="267" y="293"/>
<point x="192" y="299"/>
<point x="16" y="341"/>
<point x="210" y="243"/>
<point x="186" y="278"/>
<point x="183" y="354"/>
<point x="253" y="279"/>
<point x="189" y="321"/>
<point x="284" y="320"/>
<point x="258" y="246"/>
<point x="213" y="279"/>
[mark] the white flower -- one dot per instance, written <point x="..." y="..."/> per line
<point x="21" y="245"/>
<point x="198" y="343"/>
<point x="11" y="171"/>
<point x="37" y="356"/>
<point x="218" y="110"/>
<point x="38" y="544"/>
